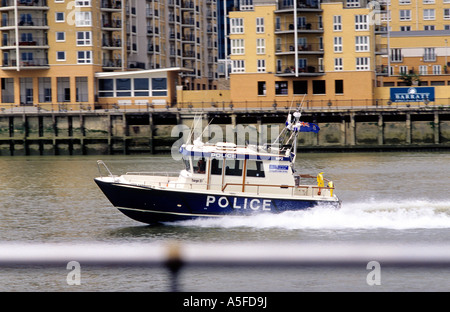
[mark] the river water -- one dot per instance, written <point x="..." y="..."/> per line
<point x="396" y="199"/>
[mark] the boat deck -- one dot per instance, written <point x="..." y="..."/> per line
<point x="173" y="182"/>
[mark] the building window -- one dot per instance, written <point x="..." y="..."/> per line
<point x="429" y="14"/>
<point x="45" y="89"/>
<point x="61" y="55"/>
<point x="302" y="64"/>
<point x="446" y="14"/>
<point x="123" y="87"/>
<point x="7" y="90"/>
<point x="260" y="46"/>
<point x="437" y="70"/>
<point x="362" y="63"/>
<point x="429" y="55"/>
<point x="83" y="3"/>
<point x="319" y="87"/>
<point x="261" y="88"/>
<point x="396" y="55"/>
<point x="405" y="28"/>
<point x="84" y="38"/>
<point x="60" y="36"/>
<point x="429" y="27"/>
<point x="337" y="22"/>
<point x="59" y="17"/>
<point x="237" y="46"/>
<point x="246" y="5"/>
<point x="352" y="4"/>
<point x="159" y="86"/>
<point x="84" y="57"/>
<point x="106" y="87"/>
<point x="428" y="1"/>
<point x="338" y="64"/>
<point x="238" y="66"/>
<point x="300" y="86"/>
<point x="423" y="70"/>
<point x="260" y="25"/>
<point x="141" y="86"/>
<point x="404" y="2"/>
<point x="83" y="19"/>
<point x="362" y="43"/>
<point x="361" y="22"/>
<point x="82" y="93"/>
<point x="63" y="89"/>
<point x="339" y="86"/>
<point x="405" y="15"/>
<point x="277" y="23"/>
<point x="237" y="26"/>
<point x="337" y="44"/>
<point x="403" y="70"/>
<point x="281" y="88"/>
<point x="261" y="66"/>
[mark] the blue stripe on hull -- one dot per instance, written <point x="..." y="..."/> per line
<point x="150" y="205"/>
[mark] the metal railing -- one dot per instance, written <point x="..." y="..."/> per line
<point x="282" y="106"/>
<point x="247" y="188"/>
<point x="175" y="256"/>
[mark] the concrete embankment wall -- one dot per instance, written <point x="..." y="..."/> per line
<point x="107" y="132"/>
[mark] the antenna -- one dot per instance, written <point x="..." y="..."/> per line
<point x="193" y="127"/>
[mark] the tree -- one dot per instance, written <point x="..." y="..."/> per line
<point x="410" y="79"/>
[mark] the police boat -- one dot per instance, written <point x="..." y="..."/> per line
<point x="223" y="179"/>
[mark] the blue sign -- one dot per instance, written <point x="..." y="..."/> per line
<point x="412" y="94"/>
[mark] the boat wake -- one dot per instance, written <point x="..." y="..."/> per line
<point x="365" y="215"/>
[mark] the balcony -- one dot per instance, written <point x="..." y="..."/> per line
<point x="302" y="5"/>
<point x="153" y="48"/>
<point x="111" y="43"/>
<point x="287" y="69"/>
<point x="25" y="22"/>
<point x="28" y="4"/>
<point x="189" y="54"/>
<point x="111" y="25"/>
<point x="307" y="48"/>
<point x="381" y="48"/>
<point x="112" y="64"/>
<point x="289" y="27"/>
<point x="35" y="63"/>
<point x="112" y="6"/>
<point x="34" y="42"/>
<point x="187" y="5"/>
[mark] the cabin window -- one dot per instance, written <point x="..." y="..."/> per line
<point x="233" y="167"/>
<point x="255" y="168"/>
<point x="187" y="164"/>
<point x="201" y="166"/>
<point x="216" y="166"/>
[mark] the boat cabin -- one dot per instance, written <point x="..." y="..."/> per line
<point x="227" y="167"/>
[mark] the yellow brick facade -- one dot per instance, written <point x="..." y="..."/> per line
<point x="54" y="52"/>
<point x="305" y="68"/>
<point x="350" y="56"/>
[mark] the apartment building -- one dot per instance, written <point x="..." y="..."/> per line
<point x="85" y="53"/>
<point x="335" y="52"/>
<point x="319" y="52"/>
<point x="418" y="41"/>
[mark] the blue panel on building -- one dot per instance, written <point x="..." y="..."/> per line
<point x="412" y="94"/>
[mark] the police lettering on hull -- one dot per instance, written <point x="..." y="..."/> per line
<point x="224" y="202"/>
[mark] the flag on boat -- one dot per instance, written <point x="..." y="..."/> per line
<point x="309" y="127"/>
